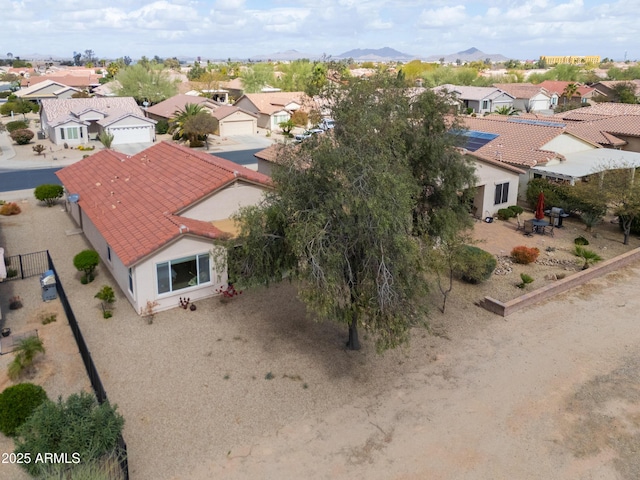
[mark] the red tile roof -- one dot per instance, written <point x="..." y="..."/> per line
<point x="133" y="201"/>
<point x="518" y="144"/>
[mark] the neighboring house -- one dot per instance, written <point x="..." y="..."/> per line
<point x="235" y="88"/>
<point x="480" y="99"/>
<point x="46" y="89"/>
<point x="230" y="120"/>
<point x="607" y="88"/>
<point x="153" y="218"/>
<point x="522" y="142"/>
<point x="74" y="121"/>
<point x="272" y="108"/>
<point x="527" y="96"/>
<point x="82" y="79"/>
<point x="611" y="125"/>
<point x="557" y="88"/>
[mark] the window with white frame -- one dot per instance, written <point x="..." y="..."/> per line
<point x="502" y="193"/>
<point x="485" y="104"/>
<point x="183" y="273"/>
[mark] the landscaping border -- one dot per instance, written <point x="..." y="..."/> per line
<point x="505" y="309"/>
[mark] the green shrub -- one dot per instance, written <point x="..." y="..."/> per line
<point x="526" y="280"/>
<point x="589" y="257"/>
<point x="516" y="209"/>
<point x="77" y="425"/>
<point x="524" y="255"/>
<point x="506" y="214"/>
<point x="476" y="265"/>
<point x="17" y="403"/>
<point x="581" y="241"/>
<point x="48" y="193"/>
<point x="26" y="351"/>
<point x="162" y="127"/>
<point x="16" y="125"/>
<point x="21" y="136"/>
<point x="86" y="261"/>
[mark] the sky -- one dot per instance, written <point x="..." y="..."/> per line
<point x="240" y="29"/>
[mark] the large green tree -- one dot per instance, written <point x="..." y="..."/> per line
<point x="255" y="78"/>
<point x="145" y="84"/>
<point x="351" y="211"/>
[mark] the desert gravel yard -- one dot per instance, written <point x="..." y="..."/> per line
<point x="255" y="388"/>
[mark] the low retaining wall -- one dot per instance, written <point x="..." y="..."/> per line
<point x="536" y="296"/>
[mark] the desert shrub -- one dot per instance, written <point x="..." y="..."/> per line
<point x="12" y="272"/>
<point x="581" y="241"/>
<point x="39" y="148"/>
<point x="516" y="209"/>
<point x="16" y="125"/>
<point x="77" y="424"/>
<point x="10" y="208"/>
<point x="21" y="136"/>
<point x="524" y="255"/>
<point x="506" y="214"/>
<point x="525" y="280"/>
<point x="635" y="225"/>
<point x="162" y="127"/>
<point x="48" y="193"/>
<point x="589" y="257"/>
<point x="15" y="302"/>
<point x="300" y="118"/>
<point x="476" y="265"/>
<point x="17" y="403"/>
<point x="86" y="261"/>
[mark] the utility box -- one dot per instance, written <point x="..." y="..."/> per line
<point x="48" y="284"/>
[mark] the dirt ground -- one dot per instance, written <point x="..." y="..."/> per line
<point x="257" y="389"/>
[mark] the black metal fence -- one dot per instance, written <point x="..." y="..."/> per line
<point x="96" y="383"/>
<point x="26" y="265"/>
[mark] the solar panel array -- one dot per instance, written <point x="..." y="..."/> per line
<point x="543" y="123"/>
<point x="477" y="139"/>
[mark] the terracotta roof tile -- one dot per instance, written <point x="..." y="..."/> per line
<point x="133" y="200"/>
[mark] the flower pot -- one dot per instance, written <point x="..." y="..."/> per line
<point x="6" y="332"/>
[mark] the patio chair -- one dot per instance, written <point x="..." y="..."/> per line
<point x="549" y="230"/>
<point x="529" y="228"/>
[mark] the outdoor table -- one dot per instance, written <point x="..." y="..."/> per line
<point x="539" y="225"/>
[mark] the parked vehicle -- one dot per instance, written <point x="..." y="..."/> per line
<point x="307" y="133"/>
<point x="327" y="123"/>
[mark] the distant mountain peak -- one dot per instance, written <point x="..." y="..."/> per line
<point x="470" y="51"/>
<point x="384" y="53"/>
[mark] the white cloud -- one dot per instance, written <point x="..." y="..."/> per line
<point x="226" y="5"/>
<point x="443" y="17"/>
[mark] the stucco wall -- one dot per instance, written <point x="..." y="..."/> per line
<point x="565" y="144"/>
<point x="488" y="177"/>
<point x="226" y="202"/>
<point x="146" y="275"/>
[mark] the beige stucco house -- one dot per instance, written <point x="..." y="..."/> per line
<point x="271" y="108"/>
<point x="153" y="218"/>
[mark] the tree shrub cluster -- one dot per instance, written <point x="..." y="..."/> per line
<point x="17" y="403"/>
<point x="476" y="265"/>
<point x="525" y="255"/>
<point x="86" y="262"/>
<point x="16" y="125"/>
<point x="48" y="193"/>
<point x="77" y="424"/>
<point x="22" y="136"/>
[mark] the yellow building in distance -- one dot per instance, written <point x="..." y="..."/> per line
<point x="571" y="60"/>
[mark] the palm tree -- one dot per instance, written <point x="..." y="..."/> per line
<point x="569" y="92"/>
<point x="589" y="256"/>
<point x="506" y="110"/>
<point x="27" y="350"/>
<point x="106" y="139"/>
<point x="176" y="124"/>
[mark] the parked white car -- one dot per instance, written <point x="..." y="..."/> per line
<point x="307" y="133"/>
<point x="327" y="123"/>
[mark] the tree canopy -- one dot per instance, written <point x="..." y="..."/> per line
<point x="352" y="210"/>
<point x="145" y="84"/>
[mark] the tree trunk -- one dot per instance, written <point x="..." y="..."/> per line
<point x="353" y="343"/>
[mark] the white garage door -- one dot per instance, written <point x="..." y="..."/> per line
<point x="237" y="128"/>
<point x="130" y="135"/>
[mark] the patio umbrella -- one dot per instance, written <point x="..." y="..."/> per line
<point x="540" y="207"/>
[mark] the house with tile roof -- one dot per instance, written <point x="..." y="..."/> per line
<point x="607" y="87"/>
<point x="584" y="94"/>
<point x="75" y="120"/>
<point x="527" y="96"/>
<point x="611" y="125"/>
<point x="272" y="108"/>
<point x="46" y="89"/>
<point x="153" y="217"/>
<point x="230" y="120"/>
<point x="480" y="100"/>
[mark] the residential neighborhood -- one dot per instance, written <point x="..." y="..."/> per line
<point x="359" y="267"/>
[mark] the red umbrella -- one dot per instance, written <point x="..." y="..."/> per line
<point x="540" y="207"/>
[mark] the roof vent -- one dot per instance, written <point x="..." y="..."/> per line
<point x="184" y="228"/>
<point x="235" y="173"/>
